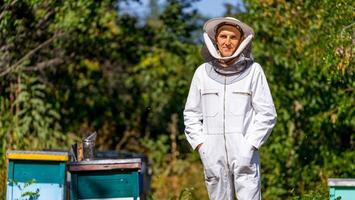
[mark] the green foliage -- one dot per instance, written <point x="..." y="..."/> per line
<point x="306" y="50"/>
<point x="69" y="67"/>
<point x="158" y="151"/>
<point x="186" y="194"/>
<point x="36" y="116"/>
<point x="32" y="195"/>
<point x="160" y="80"/>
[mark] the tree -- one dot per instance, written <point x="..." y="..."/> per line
<point x="70" y="67"/>
<point x="306" y="49"/>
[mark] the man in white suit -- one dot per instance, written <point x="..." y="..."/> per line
<point x="229" y="112"/>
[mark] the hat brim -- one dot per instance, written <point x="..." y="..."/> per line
<point x="211" y="25"/>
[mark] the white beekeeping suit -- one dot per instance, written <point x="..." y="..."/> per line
<point x="230" y="112"/>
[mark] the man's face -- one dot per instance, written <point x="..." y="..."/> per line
<point x="228" y="39"/>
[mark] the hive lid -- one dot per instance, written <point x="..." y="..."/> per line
<point x="347" y="182"/>
<point x="106" y="164"/>
<point x="37" y="155"/>
<point x="107" y="161"/>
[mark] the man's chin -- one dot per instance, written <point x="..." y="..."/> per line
<point x="227" y="54"/>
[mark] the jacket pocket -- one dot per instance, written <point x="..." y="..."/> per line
<point x="247" y="150"/>
<point x="241" y="151"/>
<point x="239" y="102"/>
<point x="209" y="101"/>
<point x="244" y="171"/>
<point x="212" y="176"/>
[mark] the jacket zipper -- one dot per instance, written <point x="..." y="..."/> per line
<point x="224" y="120"/>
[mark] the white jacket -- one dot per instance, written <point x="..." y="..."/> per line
<point x="242" y="107"/>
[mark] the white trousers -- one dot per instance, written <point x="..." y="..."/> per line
<point x="230" y="172"/>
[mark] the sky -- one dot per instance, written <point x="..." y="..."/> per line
<point x="213" y="8"/>
<point x="209" y="8"/>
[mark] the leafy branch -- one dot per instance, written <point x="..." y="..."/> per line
<point x="30" y="53"/>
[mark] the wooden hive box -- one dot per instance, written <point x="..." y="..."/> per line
<point x="341" y="188"/>
<point x="105" y="179"/>
<point x="37" y="175"/>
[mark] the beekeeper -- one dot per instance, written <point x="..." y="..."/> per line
<point x="229" y="112"/>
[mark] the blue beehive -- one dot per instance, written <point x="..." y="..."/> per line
<point x="37" y="175"/>
<point x="105" y="179"/>
<point x="341" y="188"/>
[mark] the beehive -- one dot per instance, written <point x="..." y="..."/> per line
<point x="105" y="179"/>
<point x="340" y="188"/>
<point x="41" y="174"/>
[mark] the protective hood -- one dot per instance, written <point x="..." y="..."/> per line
<point x="210" y="50"/>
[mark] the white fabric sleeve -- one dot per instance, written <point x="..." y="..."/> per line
<point x="265" y="113"/>
<point x="193" y="114"/>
